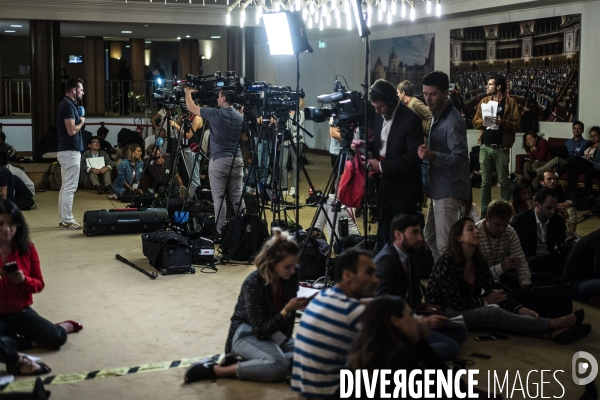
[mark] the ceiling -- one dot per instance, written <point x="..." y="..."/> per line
<point x="166" y="20"/>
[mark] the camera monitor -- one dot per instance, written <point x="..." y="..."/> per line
<point x="286" y="33"/>
<point x="75" y="59"/>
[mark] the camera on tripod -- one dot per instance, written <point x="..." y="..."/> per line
<point x="347" y="109"/>
<point x="209" y="86"/>
<point x="271" y="98"/>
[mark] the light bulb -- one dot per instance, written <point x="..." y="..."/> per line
<point x="310" y="23"/>
<point x="383" y="6"/>
<point x="438" y="9"/>
<point x="393" y="7"/>
<point x="403" y="10"/>
<point x="316" y="17"/>
<point x="312" y="6"/>
<point x="379" y="15"/>
<point x="228" y="19"/>
<point x="369" y="11"/>
<point x="349" y="22"/>
<point x="328" y="19"/>
<point x="298" y="5"/>
<point x="428" y="6"/>
<point x="369" y="21"/>
<point x="277" y="6"/>
<point x="389" y="18"/>
<point x="321" y="24"/>
<point x="412" y="12"/>
<point x="242" y="18"/>
<point x="304" y="14"/>
<point x="337" y="14"/>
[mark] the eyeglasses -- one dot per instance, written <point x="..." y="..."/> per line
<point x="95" y="142"/>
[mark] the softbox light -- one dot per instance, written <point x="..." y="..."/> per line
<point x="359" y="18"/>
<point x="286" y="33"/>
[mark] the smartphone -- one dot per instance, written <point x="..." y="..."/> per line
<point x="484" y="338"/>
<point x="10" y="267"/>
<point x="478" y="355"/>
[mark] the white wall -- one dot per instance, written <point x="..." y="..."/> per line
<point x="345" y="55"/>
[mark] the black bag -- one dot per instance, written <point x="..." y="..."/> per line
<point x="242" y="237"/>
<point x="313" y="257"/>
<point x="168" y="252"/>
<point x="101" y="222"/>
<point x="203" y="251"/>
<point x="351" y="241"/>
<point x="548" y="301"/>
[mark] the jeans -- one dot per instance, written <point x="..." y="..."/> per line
<point x="488" y="158"/>
<point x="583" y="289"/>
<point x="446" y="340"/>
<point x="288" y="151"/>
<point x="218" y="174"/>
<point x="265" y="361"/>
<point x="441" y="215"/>
<point x="492" y="318"/>
<point x="18" y="330"/>
<point x="425" y="175"/>
<point x="70" y="162"/>
<point x="188" y="158"/>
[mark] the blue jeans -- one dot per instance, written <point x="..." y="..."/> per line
<point x="265" y="361"/>
<point x="583" y="289"/>
<point x="446" y="340"/>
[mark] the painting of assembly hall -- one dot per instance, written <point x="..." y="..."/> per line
<point x="539" y="58"/>
<point x="403" y="58"/>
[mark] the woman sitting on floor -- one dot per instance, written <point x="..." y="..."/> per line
<point x="130" y="171"/>
<point x="20" y="326"/>
<point x="261" y="327"/>
<point x="461" y="283"/>
<point x="522" y="197"/>
<point x="538" y="154"/>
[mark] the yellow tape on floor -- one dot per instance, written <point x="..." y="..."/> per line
<point x="27" y="384"/>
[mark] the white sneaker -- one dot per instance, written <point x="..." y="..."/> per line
<point x="70" y="225"/>
<point x="292" y="191"/>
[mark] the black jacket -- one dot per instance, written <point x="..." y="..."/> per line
<point x="526" y="228"/>
<point x="392" y="277"/>
<point x="401" y="177"/>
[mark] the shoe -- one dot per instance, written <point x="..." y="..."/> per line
<point x="108" y="189"/>
<point x="225" y="360"/>
<point x="200" y="371"/>
<point x="529" y="174"/>
<point x="100" y="189"/>
<point x="70" y="225"/>
<point x="76" y="325"/>
<point x="113" y="196"/>
<point x="579" y="316"/>
<point x="574" y="333"/>
<point x="16" y="369"/>
<point x="292" y="191"/>
<point x="217" y="237"/>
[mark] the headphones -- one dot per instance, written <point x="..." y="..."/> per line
<point x="391" y="99"/>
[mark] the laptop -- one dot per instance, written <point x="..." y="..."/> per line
<point x="560" y="152"/>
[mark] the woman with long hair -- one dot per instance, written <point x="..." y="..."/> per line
<point x="130" y="171"/>
<point x="263" y="320"/>
<point x="20" y="277"/>
<point x="538" y="154"/>
<point x="192" y="165"/>
<point x="461" y="283"/>
<point x="522" y="196"/>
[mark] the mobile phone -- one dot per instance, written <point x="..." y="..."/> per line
<point x="484" y="338"/>
<point x="10" y="267"/>
<point x="499" y="336"/>
<point x="478" y="355"/>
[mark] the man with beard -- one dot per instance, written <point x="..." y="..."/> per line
<point x="398" y="273"/>
<point x="497" y="140"/>
<point x="68" y="125"/>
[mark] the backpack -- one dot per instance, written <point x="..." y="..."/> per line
<point x="54" y="177"/>
<point x="313" y="257"/>
<point x="243" y="236"/>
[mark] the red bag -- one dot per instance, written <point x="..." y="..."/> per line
<point x="352" y="183"/>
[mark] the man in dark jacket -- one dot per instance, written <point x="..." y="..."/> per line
<point x="542" y="233"/>
<point x="398" y="134"/>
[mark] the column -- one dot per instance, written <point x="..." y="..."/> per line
<point x="138" y="86"/>
<point x="189" y="57"/>
<point x="240" y="51"/>
<point x="45" y="79"/>
<point x="94" y="81"/>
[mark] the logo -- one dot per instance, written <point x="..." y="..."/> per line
<point x="580" y="367"/>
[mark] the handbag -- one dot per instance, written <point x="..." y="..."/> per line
<point x="352" y="183"/>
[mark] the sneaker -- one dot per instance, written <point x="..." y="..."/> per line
<point x="217" y="238"/>
<point x="200" y="371"/>
<point x="100" y="189"/>
<point x="70" y="225"/>
<point x="113" y="196"/>
<point x="292" y="191"/>
<point x="108" y="189"/>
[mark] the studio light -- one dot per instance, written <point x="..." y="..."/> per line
<point x="286" y="33"/>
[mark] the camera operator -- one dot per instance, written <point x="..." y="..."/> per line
<point x="398" y="133"/>
<point x="226" y="165"/>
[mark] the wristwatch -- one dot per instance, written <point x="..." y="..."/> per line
<point x="284" y="313"/>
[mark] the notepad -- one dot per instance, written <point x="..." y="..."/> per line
<point x="95" y="162"/>
<point x="489" y="111"/>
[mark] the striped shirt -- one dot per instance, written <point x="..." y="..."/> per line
<point x="323" y="339"/>
<point x="496" y="250"/>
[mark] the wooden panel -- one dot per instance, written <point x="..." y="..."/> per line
<point x="45" y="78"/>
<point x="137" y="66"/>
<point x="189" y="57"/>
<point x="94" y="81"/>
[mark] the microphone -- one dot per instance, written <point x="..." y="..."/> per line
<point x="159" y="142"/>
<point x="81" y="111"/>
<point x="194" y="147"/>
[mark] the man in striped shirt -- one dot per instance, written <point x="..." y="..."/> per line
<point x="501" y="247"/>
<point x="329" y="324"/>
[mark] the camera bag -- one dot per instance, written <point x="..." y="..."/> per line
<point x="168" y="252"/>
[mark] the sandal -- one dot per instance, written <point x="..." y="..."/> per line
<point x="16" y="369"/>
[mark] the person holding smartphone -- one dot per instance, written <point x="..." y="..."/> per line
<point x="263" y="320"/>
<point x="20" y="326"/>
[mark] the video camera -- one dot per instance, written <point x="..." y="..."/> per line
<point x="209" y="86"/>
<point x="347" y="109"/>
<point x="269" y="98"/>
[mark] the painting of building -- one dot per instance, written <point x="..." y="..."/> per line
<point x="539" y="59"/>
<point x="403" y="58"/>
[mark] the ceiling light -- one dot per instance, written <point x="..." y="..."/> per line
<point x="178" y="37"/>
<point x="215" y="37"/>
<point x="148" y="41"/>
<point x="10" y="31"/>
<point x="187" y="36"/>
<point x="16" y="26"/>
<point x="128" y="46"/>
<point x="126" y="31"/>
